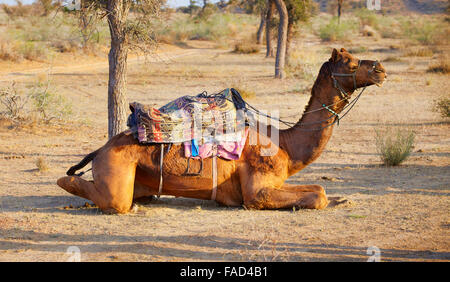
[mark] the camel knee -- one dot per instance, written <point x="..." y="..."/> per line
<point x="74" y="185"/>
<point x="259" y="201"/>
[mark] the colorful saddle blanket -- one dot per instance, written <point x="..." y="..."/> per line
<point x="195" y="120"/>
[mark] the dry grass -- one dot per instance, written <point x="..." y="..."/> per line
<point x="42" y="165"/>
<point x="245" y="92"/>
<point x="246" y="47"/>
<point x="442" y="66"/>
<point x="419" y="52"/>
<point x="442" y="106"/>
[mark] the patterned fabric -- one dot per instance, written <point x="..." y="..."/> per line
<point x="225" y="149"/>
<point x="205" y="118"/>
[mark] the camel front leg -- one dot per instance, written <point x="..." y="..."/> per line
<point x="287" y="196"/>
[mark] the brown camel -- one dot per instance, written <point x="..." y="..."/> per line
<point x="125" y="171"/>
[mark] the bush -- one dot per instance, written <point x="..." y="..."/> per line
<point x="34" y="51"/>
<point x="303" y="64"/>
<point x="42" y="165"/>
<point x="13" y="103"/>
<point x="442" y="106"/>
<point x="367" y="17"/>
<point x="334" y="31"/>
<point x="394" y="146"/>
<point x="216" y="27"/>
<point x="245" y="92"/>
<point x="245" y="47"/>
<point x="51" y="105"/>
<point x="423" y="31"/>
<point x="9" y="52"/>
<point x="442" y="66"/>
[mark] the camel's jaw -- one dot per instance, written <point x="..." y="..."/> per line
<point x="379" y="79"/>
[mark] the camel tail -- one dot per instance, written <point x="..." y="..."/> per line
<point x="83" y="163"/>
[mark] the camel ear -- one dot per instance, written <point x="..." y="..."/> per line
<point x="343" y="50"/>
<point x="335" y="56"/>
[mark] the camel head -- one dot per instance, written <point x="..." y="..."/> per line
<point x="352" y="73"/>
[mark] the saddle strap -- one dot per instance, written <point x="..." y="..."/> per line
<point x="161" y="160"/>
<point x="214" y="173"/>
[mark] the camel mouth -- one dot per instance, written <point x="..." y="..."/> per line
<point x="379" y="82"/>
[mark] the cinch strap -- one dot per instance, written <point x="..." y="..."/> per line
<point x="214" y="173"/>
<point x="161" y="170"/>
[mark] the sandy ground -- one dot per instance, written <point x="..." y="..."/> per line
<point x="403" y="211"/>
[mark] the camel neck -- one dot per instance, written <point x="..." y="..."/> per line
<point x="306" y="140"/>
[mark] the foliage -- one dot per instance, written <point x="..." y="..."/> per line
<point x="442" y="106"/>
<point x="394" y="146"/>
<point x="333" y="31"/>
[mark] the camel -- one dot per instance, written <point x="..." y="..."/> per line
<point x="125" y="171"/>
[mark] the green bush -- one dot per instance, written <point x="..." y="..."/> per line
<point x="368" y="17"/>
<point x="49" y="105"/>
<point x="333" y="31"/>
<point x="394" y="146"/>
<point x="423" y="31"/>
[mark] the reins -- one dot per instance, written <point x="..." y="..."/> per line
<point x="342" y="93"/>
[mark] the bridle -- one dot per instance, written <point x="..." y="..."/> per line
<point x="342" y="92"/>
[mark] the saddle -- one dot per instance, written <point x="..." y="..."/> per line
<point x="208" y="125"/>
<point x="203" y="118"/>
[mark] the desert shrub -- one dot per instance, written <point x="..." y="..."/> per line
<point x="394" y="146"/>
<point x="13" y="103"/>
<point x="42" y="165"/>
<point x="34" y="51"/>
<point x="333" y="31"/>
<point x="367" y="17"/>
<point x="246" y="47"/>
<point x="18" y="10"/>
<point x="442" y="106"/>
<point x="442" y="66"/>
<point x="245" y="92"/>
<point x="303" y="64"/>
<point x="419" y="52"/>
<point x="216" y="27"/>
<point x="50" y="105"/>
<point x="9" y="52"/>
<point x="359" y="49"/>
<point x="392" y="59"/>
<point x="423" y="30"/>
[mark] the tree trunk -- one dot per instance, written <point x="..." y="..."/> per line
<point x="290" y="32"/>
<point x="117" y="58"/>
<point x="282" y="36"/>
<point x="262" y="24"/>
<point x="270" y="8"/>
<point x="339" y="10"/>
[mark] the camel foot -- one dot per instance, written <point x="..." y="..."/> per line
<point x="336" y="201"/>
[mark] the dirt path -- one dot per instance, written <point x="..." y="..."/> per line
<point x="403" y="212"/>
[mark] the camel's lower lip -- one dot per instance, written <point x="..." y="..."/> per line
<point x="379" y="83"/>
